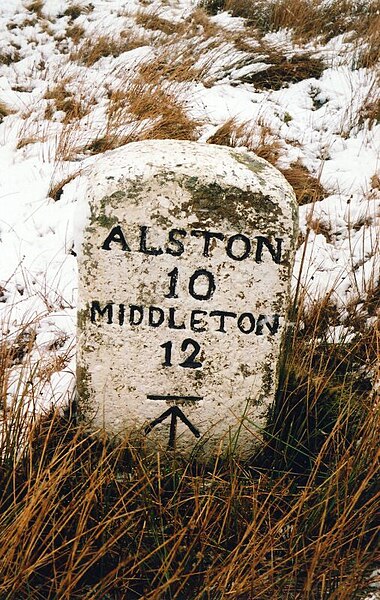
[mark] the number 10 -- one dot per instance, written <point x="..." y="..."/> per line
<point x="199" y="273"/>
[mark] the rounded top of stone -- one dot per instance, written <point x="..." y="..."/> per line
<point x="210" y="162"/>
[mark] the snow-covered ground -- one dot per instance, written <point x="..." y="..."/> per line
<point x="320" y="122"/>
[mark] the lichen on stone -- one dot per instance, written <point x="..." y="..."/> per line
<point x="241" y="208"/>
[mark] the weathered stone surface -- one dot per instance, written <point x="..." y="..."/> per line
<point x="184" y="284"/>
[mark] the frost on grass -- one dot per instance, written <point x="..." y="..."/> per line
<point x="77" y="79"/>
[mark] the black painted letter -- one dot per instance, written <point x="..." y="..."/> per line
<point x="116" y="235"/>
<point x="264" y="320"/>
<point x="121" y="314"/>
<point x="195" y="322"/>
<point x="143" y="246"/>
<point x="222" y="314"/>
<point x="247" y="246"/>
<point x="95" y="309"/>
<point x="274" y="252"/>
<point x="211" y="284"/>
<point x="251" y="325"/>
<point x="171" y="323"/>
<point x="160" y="315"/>
<point x="135" y="310"/>
<point x="208" y="235"/>
<point x="172" y="240"/>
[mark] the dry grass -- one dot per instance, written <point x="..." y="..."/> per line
<point x="199" y="21"/>
<point x="165" y="68"/>
<point x="36" y="6"/>
<point x="91" y="50"/>
<point x="14" y="352"/>
<point x="142" y="111"/>
<point x="365" y="33"/>
<point x="25" y="141"/>
<point x="259" y="138"/>
<point x="74" y="108"/>
<point x="56" y="189"/>
<point x="375" y="181"/>
<point x="307" y="187"/>
<point x="256" y="137"/>
<point x="190" y="52"/>
<point x="320" y="227"/>
<point x="11" y="55"/>
<point x="154" y="102"/>
<point x="369" y="53"/>
<point x="5" y="110"/>
<point x="85" y="517"/>
<point x="75" y="32"/>
<point x="282" y="71"/>
<point x="185" y="59"/>
<point x="308" y="19"/>
<point x="370" y="112"/>
<point x="303" y="16"/>
<point x="150" y="103"/>
<point x="74" y="11"/>
<point x="151" y="20"/>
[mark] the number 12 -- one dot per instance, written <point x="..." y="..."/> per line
<point x="189" y="362"/>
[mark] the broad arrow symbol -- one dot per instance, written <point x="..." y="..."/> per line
<point x="175" y="413"/>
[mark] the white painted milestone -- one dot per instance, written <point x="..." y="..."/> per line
<point x="184" y="276"/>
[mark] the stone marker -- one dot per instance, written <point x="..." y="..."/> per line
<point x="184" y="283"/>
